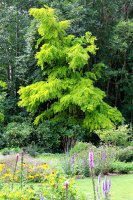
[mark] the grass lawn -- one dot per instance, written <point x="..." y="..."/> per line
<point x="53" y="160"/>
<point x="121" y="189"/>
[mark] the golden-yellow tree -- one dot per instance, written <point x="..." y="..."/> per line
<point x="68" y="89"/>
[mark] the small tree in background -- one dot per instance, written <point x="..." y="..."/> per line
<point x="68" y="89"/>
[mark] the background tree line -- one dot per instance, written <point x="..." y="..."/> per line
<point x="110" y="21"/>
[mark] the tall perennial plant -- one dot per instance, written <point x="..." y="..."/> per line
<point x="101" y="191"/>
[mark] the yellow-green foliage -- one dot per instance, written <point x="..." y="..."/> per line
<point x="68" y="85"/>
<point x="116" y="136"/>
<point x="2" y="84"/>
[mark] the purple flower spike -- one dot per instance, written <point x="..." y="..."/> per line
<point x="73" y="159"/>
<point x="91" y="159"/>
<point x="99" y="197"/>
<point x="99" y="178"/>
<point x="106" y="186"/>
<point x="98" y="194"/>
<point x="97" y="189"/>
<point x="41" y="197"/>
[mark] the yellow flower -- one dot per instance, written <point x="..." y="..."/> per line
<point x="30" y="190"/>
<point x="2" y="167"/>
<point x="25" y="165"/>
<point x="17" y="194"/>
<point x="43" y="166"/>
<point x="44" y="193"/>
<point x="52" y="182"/>
<point x="24" y="198"/>
<point x="1" y="195"/>
<point x="7" y="175"/>
<point x="63" y="187"/>
<point x="10" y="195"/>
<point x="31" y="177"/>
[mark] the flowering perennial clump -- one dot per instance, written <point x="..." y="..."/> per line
<point x="52" y="184"/>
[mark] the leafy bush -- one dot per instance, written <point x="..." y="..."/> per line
<point x="49" y="136"/>
<point x="77" y="164"/>
<point x="104" y="157"/>
<point x="121" y="167"/>
<point x="8" y="151"/>
<point x="126" y="154"/>
<point x="56" y="136"/>
<point x="116" y="136"/>
<point x="46" y="136"/>
<point x="80" y="146"/>
<point x="2" y="142"/>
<point x="16" y="134"/>
<point x="32" y="149"/>
<point x="67" y="165"/>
